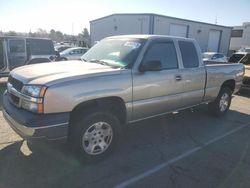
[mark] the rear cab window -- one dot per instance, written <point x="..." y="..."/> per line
<point x="189" y="54"/>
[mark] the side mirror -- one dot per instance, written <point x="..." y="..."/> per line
<point x="154" y="65"/>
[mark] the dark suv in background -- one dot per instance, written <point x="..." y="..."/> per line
<point x="244" y="58"/>
<point x="19" y="51"/>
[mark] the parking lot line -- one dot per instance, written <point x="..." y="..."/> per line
<point x="182" y="156"/>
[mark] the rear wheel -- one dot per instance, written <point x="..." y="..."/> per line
<point x="222" y="103"/>
<point x="95" y="135"/>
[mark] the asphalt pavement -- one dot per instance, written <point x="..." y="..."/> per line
<point x="188" y="149"/>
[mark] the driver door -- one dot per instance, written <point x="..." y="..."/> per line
<point x="157" y="91"/>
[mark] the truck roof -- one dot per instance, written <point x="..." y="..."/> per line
<point x="141" y="36"/>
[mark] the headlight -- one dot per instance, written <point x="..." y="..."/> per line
<point x="35" y="102"/>
<point x="34" y="90"/>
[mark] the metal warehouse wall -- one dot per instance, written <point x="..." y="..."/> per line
<point x="244" y="40"/>
<point x="196" y="30"/>
<point x="120" y="24"/>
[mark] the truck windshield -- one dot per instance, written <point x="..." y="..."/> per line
<point x="115" y="52"/>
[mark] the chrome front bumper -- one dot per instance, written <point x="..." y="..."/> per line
<point x="49" y="132"/>
<point x="22" y="130"/>
<point x="31" y="126"/>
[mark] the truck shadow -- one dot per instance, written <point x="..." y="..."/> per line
<point x="142" y="144"/>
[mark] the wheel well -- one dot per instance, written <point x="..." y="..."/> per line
<point x="230" y="84"/>
<point x="114" y="105"/>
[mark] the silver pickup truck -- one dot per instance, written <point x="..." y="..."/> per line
<point x="120" y="80"/>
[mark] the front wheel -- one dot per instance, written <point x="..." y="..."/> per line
<point x="95" y="135"/>
<point x="222" y="103"/>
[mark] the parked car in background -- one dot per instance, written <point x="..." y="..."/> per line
<point x="19" y="51"/>
<point x="214" y="56"/>
<point x="61" y="48"/>
<point x="245" y="49"/>
<point x="73" y="53"/>
<point x="244" y="58"/>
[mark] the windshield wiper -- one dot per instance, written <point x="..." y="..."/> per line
<point x="99" y="62"/>
<point x="103" y="63"/>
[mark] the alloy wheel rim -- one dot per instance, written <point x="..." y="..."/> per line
<point x="224" y="102"/>
<point x="97" y="138"/>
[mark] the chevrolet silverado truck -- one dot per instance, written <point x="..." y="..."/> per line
<point x="120" y="80"/>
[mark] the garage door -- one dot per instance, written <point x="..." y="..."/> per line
<point x="178" y="30"/>
<point x="213" y="41"/>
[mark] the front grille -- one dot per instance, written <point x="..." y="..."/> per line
<point x="18" y="85"/>
<point x="14" y="99"/>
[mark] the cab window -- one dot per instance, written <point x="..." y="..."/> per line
<point x="164" y="53"/>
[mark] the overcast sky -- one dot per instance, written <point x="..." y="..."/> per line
<point x="71" y="16"/>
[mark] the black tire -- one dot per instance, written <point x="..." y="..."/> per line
<point x="217" y="107"/>
<point x="86" y="125"/>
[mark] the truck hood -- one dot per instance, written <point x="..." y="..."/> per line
<point x="57" y="72"/>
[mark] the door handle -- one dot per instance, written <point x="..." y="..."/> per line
<point x="178" y="78"/>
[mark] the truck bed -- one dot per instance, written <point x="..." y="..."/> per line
<point x="219" y="73"/>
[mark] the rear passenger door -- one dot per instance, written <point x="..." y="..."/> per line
<point x="193" y="74"/>
<point x="157" y="91"/>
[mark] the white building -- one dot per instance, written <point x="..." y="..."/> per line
<point x="240" y="37"/>
<point x="210" y="37"/>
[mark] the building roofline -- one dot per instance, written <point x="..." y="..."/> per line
<point x="152" y="14"/>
